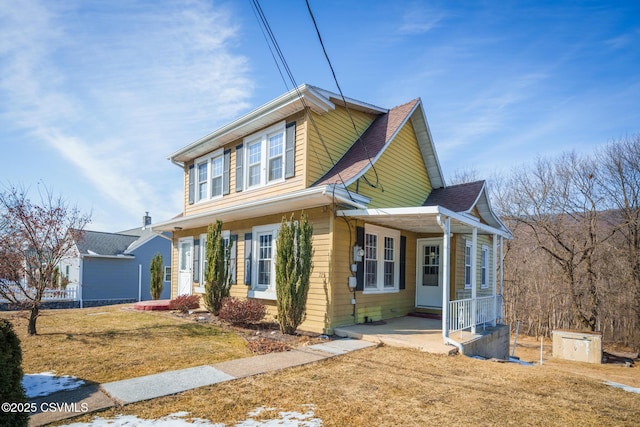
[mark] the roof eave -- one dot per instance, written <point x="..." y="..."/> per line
<point x="318" y="100"/>
<point x="303" y="199"/>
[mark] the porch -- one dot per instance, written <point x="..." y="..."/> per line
<point x="425" y="334"/>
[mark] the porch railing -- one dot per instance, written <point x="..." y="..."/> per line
<point x="461" y="315"/>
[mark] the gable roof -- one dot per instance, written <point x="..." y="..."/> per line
<point x="364" y="152"/>
<point x="463" y="198"/>
<point x="105" y="244"/>
<point x="317" y="99"/>
<point x="458" y="198"/>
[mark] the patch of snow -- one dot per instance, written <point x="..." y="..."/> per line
<point x="45" y="383"/>
<point x="181" y="419"/>
<point x="171" y="420"/>
<point x="623" y="387"/>
<point x="521" y="362"/>
<point x="291" y="419"/>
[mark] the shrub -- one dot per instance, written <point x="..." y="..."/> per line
<point x="155" y="269"/>
<point x="11" y="389"/>
<point x="217" y="276"/>
<point x="241" y="311"/>
<point x="294" y="252"/>
<point x="184" y="303"/>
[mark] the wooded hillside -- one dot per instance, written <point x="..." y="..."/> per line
<point x="574" y="261"/>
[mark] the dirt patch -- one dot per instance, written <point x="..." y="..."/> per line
<point x="262" y="338"/>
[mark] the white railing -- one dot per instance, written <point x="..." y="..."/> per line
<point x="487" y="310"/>
<point x="69" y="294"/>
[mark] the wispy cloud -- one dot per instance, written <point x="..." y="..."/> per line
<point x="420" y="19"/>
<point x="115" y="102"/>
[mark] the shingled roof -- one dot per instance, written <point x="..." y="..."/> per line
<point x="359" y="156"/>
<point x="108" y="244"/>
<point x="457" y="198"/>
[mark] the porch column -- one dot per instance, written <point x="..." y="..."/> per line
<point x="474" y="271"/>
<point x="446" y="227"/>
<point x="494" y="268"/>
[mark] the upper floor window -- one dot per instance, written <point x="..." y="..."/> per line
<point x="266" y="157"/>
<point x="209" y="176"/>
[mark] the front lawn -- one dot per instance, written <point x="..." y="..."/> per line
<point x="105" y="344"/>
<point x="388" y="386"/>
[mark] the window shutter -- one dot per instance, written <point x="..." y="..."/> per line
<point x="196" y="261"/>
<point x="360" y="270"/>
<point x="191" y="189"/>
<point x="403" y="261"/>
<point x="233" y="256"/>
<point x="239" y="170"/>
<point x="247" y="258"/>
<point x="290" y="151"/>
<point x="226" y="161"/>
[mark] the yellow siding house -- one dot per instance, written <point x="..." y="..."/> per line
<point x="390" y="238"/>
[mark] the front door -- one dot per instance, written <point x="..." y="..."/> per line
<point x="429" y="277"/>
<point x="185" y="265"/>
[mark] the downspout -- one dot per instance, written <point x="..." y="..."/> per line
<point x="445" y="224"/>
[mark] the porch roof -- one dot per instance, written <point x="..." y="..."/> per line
<point x="424" y="219"/>
<point x="296" y="200"/>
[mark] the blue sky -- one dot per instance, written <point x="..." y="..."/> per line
<point x="94" y="95"/>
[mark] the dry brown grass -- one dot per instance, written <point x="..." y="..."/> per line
<point x="111" y="343"/>
<point x="387" y="386"/>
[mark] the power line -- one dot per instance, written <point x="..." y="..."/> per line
<point x="335" y="79"/>
<point x="262" y="20"/>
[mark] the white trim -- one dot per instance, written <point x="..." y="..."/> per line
<point x="420" y="243"/>
<point x="319" y="100"/>
<point x="468" y="244"/>
<point x="260" y="291"/>
<point x="303" y="199"/>
<point x="208" y="161"/>
<point x="416" y="211"/>
<point x="381" y="233"/>
<point x="262" y="137"/>
<point x="164" y="273"/>
<point x="484" y="266"/>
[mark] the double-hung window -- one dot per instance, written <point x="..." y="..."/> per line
<point x="484" y="267"/>
<point x="226" y="236"/>
<point x="216" y="176"/>
<point x="265" y="157"/>
<point x="209" y="175"/>
<point x="467" y="264"/>
<point x="381" y="259"/>
<point x="264" y="261"/>
<point x="203" y="178"/>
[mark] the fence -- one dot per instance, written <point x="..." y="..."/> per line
<point x="69" y="294"/>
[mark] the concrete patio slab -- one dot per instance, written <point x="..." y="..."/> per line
<point x="412" y="332"/>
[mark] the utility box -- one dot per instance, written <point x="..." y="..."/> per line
<point x="578" y="346"/>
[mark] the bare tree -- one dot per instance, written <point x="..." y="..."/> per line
<point x="558" y="202"/>
<point x="620" y="181"/>
<point x="34" y="238"/>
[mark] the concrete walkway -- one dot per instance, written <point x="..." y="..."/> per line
<point x="93" y="397"/>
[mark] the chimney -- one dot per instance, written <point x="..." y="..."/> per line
<point x="146" y="220"/>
